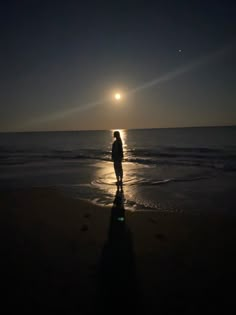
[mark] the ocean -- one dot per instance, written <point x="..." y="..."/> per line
<point x="190" y="170"/>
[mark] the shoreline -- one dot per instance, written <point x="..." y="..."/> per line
<point x="60" y="252"/>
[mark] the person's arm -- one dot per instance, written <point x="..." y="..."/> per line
<point x="121" y="154"/>
<point x="112" y="152"/>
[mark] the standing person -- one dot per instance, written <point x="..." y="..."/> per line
<point x="117" y="156"/>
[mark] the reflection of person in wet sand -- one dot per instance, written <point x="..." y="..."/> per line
<point x="117" y="156"/>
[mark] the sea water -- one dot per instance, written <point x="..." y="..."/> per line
<point x="167" y="170"/>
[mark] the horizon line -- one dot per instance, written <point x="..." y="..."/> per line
<point x="149" y="128"/>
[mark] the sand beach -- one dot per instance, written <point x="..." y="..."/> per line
<point x="67" y="256"/>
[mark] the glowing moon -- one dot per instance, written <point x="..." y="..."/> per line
<point x="117" y="96"/>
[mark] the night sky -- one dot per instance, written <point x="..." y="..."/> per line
<point x="172" y="61"/>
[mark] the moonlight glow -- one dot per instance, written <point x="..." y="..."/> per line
<point x="117" y="96"/>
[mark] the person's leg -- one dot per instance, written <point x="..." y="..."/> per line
<point x="121" y="172"/>
<point x="116" y="168"/>
<point x="118" y="171"/>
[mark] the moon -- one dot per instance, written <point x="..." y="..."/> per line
<point x="117" y="96"/>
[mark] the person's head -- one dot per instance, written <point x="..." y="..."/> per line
<point x="116" y="135"/>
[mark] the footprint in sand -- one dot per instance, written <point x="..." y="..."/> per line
<point x="153" y="221"/>
<point x="84" y="228"/>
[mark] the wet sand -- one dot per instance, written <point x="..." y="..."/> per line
<point x="66" y="256"/>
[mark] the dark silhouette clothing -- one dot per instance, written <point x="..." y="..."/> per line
<point x="117" y="150"/>
<point x="117" y="156"/>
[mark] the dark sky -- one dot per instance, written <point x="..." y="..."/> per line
<point x="60" y="62"/>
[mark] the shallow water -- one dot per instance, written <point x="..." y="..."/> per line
<point x="173" y="170"/>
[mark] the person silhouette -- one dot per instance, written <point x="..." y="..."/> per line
<point x="117" y="156"/>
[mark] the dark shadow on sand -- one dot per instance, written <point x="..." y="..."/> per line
<point x="117" y="284"/>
